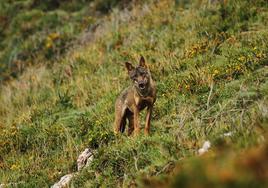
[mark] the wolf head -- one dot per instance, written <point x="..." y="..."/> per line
<point x="140" y="75"/>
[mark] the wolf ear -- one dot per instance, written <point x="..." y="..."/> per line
<point x="142" y="62"/>
<point x="129" y="66"/>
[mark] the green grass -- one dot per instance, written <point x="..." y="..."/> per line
<point x="210" y="65"/>
<point x="36" y="32"/>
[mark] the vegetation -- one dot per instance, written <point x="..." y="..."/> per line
<point x="33" y="31"/>
<point x="209" y="60"/>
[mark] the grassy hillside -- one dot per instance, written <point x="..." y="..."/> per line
<point x="34" y="31"/>
<point x="209" y="60"/>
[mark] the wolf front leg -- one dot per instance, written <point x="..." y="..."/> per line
<point x="136" y="122"/>
<point x="148" y="120"/>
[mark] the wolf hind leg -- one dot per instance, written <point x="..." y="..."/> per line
<point x="120" y="119"/>
<point x="123" y="124"/>
<point x="131" y="124"/>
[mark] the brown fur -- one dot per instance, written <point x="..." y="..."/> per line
<point x="141" y="94"/>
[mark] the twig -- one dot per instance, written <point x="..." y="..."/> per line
<point x="210" y="93"/>
<point x="136" y="163"/>
<point x="165" y="167"/>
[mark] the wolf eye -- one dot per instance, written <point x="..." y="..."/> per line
<point x="144" y="74"/>
<point x="132" y="76"/>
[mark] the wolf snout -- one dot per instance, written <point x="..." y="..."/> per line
<point x="142" y="85"/>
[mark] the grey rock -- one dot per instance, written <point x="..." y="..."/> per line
<point x="84" y="159"/>
<point x="64" y="181"/>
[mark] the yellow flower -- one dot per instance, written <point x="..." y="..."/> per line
<point x="216" y="72"/>
<point x="242" y="58"/>
<point x="259" y="55"/>
<point x="49" y="44"/>
<point x="98" y="122"/>
<point x="14" y="167"/>
<point x="54" y="36"/>
<point x="237" y="67"/>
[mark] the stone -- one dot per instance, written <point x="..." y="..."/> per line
<point x="84" y="159"/>
<point x="64" y="181"/>
<point x="204" y="148"/>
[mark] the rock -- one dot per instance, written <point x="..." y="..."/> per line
<point x="84" y="159"/>
<point x="204" y="148"/>
<point x="64" y="181"/>
<point x="228" y="134"/>
<point x="16" y="184"/>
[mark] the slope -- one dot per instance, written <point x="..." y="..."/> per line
<point x="210" y="64"/>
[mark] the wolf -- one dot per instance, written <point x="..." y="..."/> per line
<point x="139" y="95"/>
